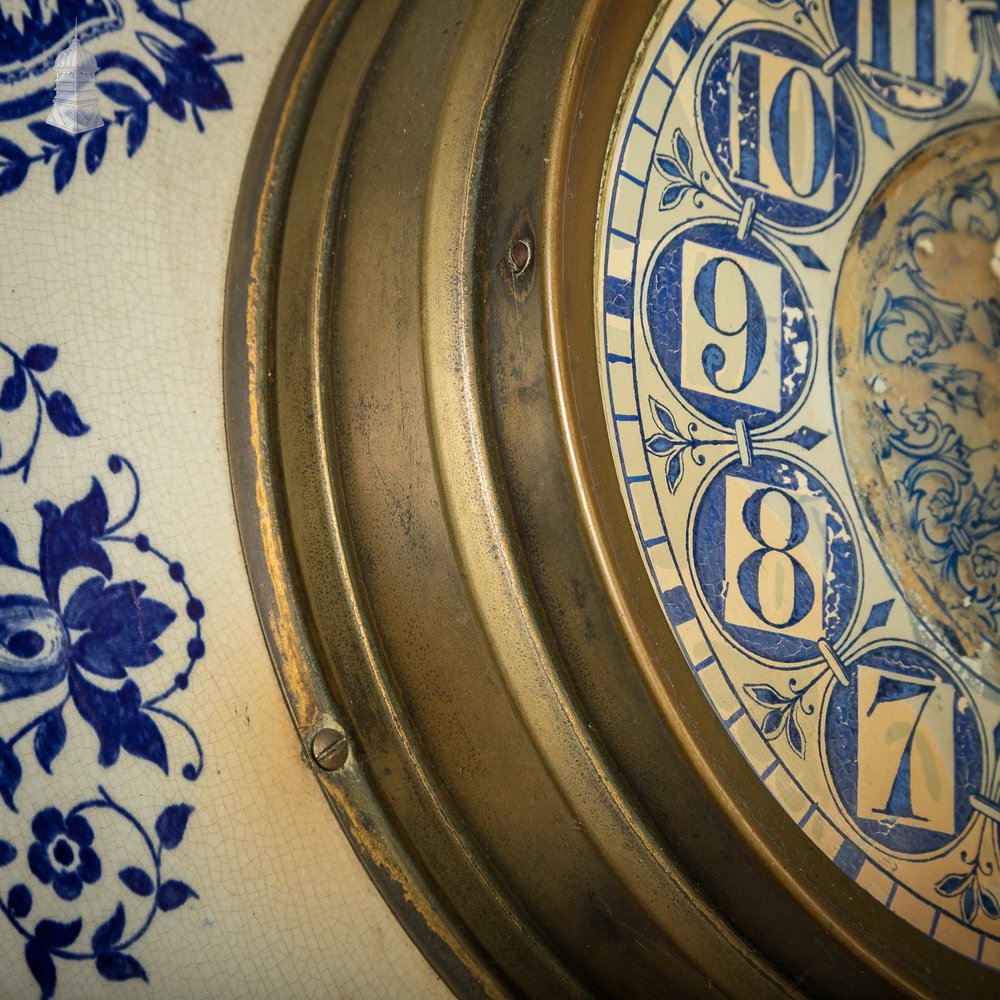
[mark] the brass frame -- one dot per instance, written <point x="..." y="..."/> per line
<point x="440" y="555"/>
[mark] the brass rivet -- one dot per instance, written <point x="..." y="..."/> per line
<point x="329" y="749"/>
<point x="519" y="257"/>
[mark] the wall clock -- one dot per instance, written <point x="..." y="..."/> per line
<point x="614" y="434"/>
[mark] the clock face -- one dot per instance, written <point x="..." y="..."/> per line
<point x="799" y="318"/>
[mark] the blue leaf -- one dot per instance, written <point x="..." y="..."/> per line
<point x="806" y="437"/>
<point x="196" y="39"/>
<point x="7" y="853"/>
<point x="79" y="612"/>
<point x="773" y="722"/>
<point x="795" y="738"/>
<point x="970" y="905"/>
<point x="19" y="901"/>
<point x="42" y="967"/>
<point x="52" y="135"/>
<point x="95" y="149"/>
<point x="122" y="94"/>
<point x="135" y="131"/>
<point x="660" y="444"/>
<point x="117" y="967"/>
<point x="41" y="357"/>
<point x="141" y="737"/>
<point x="56" y="935"/>
<point x="989" y="901"/>
<point x="68" y="539"/>
<point x="63" y="414"/>
<point x="669" y="167"/>
<point x="951" y="885"/>
<point x="170" y="104"/>
<point x="879" y="615"/>
<point x="808" y="257"/>
<point x="173" y="894"/>
<point x="137" y="881"/>
<point x="663" y="417"/>
<point x="683" y="150"/>
<point x="172" y="823"/>
<point x="675" y="469"/>
<point x="879" y="126"/>
<point x="50" y="738"/>
<point x="10" y="775"/>
<point x="8" y="547"/>
<point x="672" y="196"/>
<point x="872" y="224"/>
<point x="65" y="166"/>
<point x="102" y="711"/>
<point x="14" y="166"/>
<point x="15" y="388"/>
<point x="765" y="695"/>
<point x="193" y="77"/>
<point x="110" y="932"/>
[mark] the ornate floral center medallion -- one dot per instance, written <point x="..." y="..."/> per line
<point x="799" y="321"/>
<point x="917" y="326"/>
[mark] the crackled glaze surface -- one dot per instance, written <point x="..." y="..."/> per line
<point x="160" y="834"/>
<point x="799" y="326"/>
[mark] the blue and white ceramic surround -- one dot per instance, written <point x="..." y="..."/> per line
<point x="148" y="767"/>
<point x="799" y="322"/>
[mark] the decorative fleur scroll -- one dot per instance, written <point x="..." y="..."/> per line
<point x="917" y="326"/>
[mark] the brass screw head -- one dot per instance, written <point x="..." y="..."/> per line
<point x="329" y="749"/>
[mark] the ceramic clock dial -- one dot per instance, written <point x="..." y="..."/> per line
<point x="799" y="318"/>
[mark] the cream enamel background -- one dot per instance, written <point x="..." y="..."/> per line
<point x="125" y="271"/>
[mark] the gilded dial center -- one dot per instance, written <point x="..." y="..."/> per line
<point x="916" y="331"/>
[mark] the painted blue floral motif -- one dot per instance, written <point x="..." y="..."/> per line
<point x="26" y="406"/>
<point x="91" y="651"/>
<point x="670" y="443"/>
<point x="64" y="857"/>
<point x="924" y="318"/>
<point x="90" y="643"/>
<point x="975" y="888"/>
<point x="167" y="63"/>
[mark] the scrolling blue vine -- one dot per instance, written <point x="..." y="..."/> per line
<point x="167" y="63"/>
<point x="79" y="637"/>
<point x="949" y="482"/>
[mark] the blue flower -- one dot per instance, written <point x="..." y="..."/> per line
<point x="941" y="506"/>
<point x="984" y="563"/>
<point x="62" y="855"/>
<point x="920" y="342"/>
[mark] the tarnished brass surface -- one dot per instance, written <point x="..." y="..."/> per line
<point x="437" y="541"/>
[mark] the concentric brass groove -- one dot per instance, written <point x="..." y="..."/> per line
<point x="364" y="630"/>
<point x="374" y="657"/>
<point x="249" y="421"/>
<point x="491" y="565"/>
